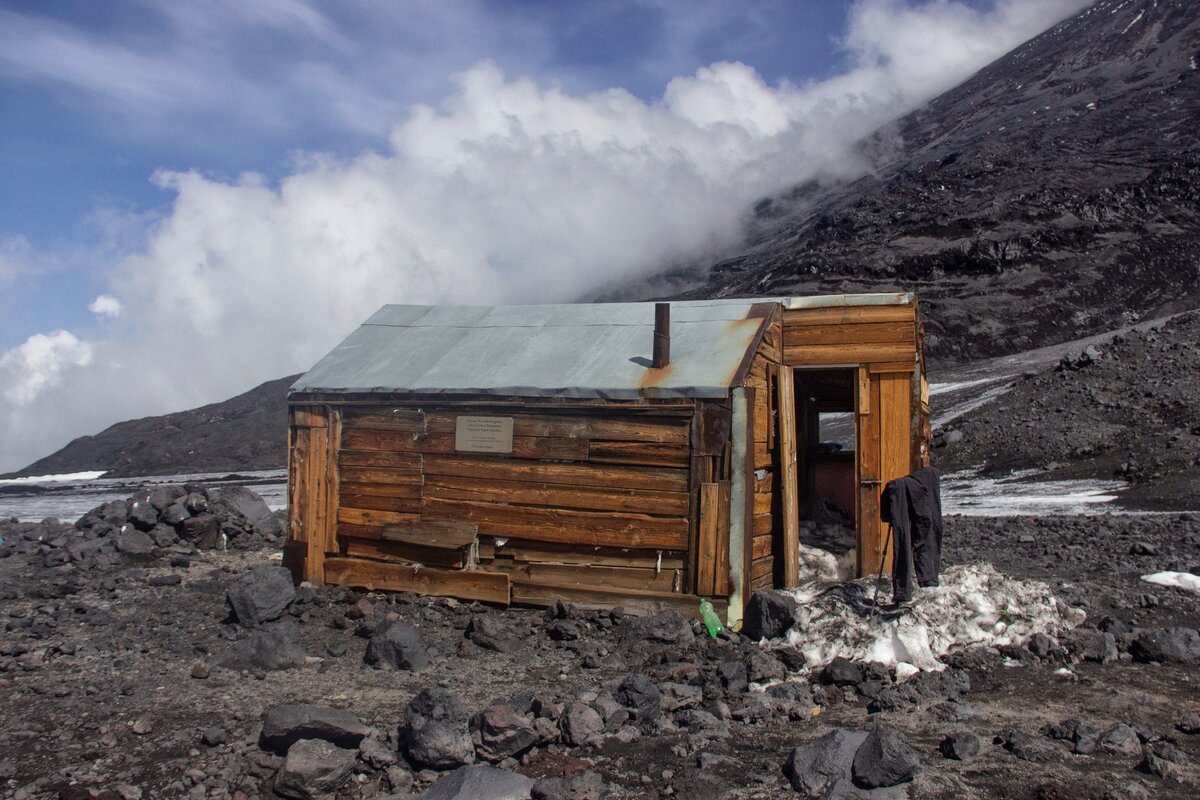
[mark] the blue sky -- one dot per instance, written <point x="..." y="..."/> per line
<point x="180" y="181"/>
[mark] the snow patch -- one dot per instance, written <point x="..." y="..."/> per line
<point x="975" y="606"/>
<point x="1177" y="580"/>
<point x="968" y="493"/>
<point x="66" y="477"/>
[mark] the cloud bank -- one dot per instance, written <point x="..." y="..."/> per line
<point x="507" y="191"/>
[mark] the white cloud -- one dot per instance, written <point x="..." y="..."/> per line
<point x="506" y="192"/>
<point x="39" y="363"/>
<point x="106" y="305"/>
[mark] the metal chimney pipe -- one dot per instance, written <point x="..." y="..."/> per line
<point x="662" y="335"/>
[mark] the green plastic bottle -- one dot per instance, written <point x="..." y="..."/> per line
<point x="711" y="621"/>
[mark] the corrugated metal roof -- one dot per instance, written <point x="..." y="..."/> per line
<point x="581" y="351"/>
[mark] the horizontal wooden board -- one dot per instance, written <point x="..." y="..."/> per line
<point x="760" y="567"/>
<point x="760" y="546"/>
<point x="443" y="443"/>
<point x="892" y="366"/>
<point x="446" y="534"/>
<point x="635" y="602"/>
<point x="621" y="429"/>
<point x="648" y="454"/>
<point x="641" y="478"/>
<point x="380" y="475"/>
<point x="864" y="333"/>
<point x="763" y="524"/>
<point x="406" y="553"/>
<point x="558" y="525"/>
<point x="379" y="458"/>
<point x="591" y="577"/>
<point x="407" y="505"/>
<point x="405" y="420"/>
<point x="845" y="354"/>
<point x="550" y="553"/>
<point x="366" y="516"/>
<point x="638" y="501"/>
<point x="407" y="490"/>
<point x="842" y="315"/>
<point x="489" y="587"/>
<point x="359" y="531"/>
<point x="766" y="581"/>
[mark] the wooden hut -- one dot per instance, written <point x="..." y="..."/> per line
<point x="609" y="454"/>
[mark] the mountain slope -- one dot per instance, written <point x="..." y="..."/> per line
<point x="1055" y="193"/>
<point x="246" y="432"/>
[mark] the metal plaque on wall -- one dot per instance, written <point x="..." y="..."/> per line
<point x="483" y="434"/>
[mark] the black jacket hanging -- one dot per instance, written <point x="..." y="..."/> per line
<point x="912" y="505"/>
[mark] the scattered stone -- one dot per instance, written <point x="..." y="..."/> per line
<point x="133" y="542"/>
<point x="587" y="785"/>
<point x="491" y="633"/>
<point x="1121" y="740"/>
<point x="436" y="731"/>
<point x="261" y="595"/>
<point x="814" y="768"/>
<point x="1171" y="645"/>
<point x="639" y="693"/>
<point x="579" y="722"/>
<point x="1189" y="723"/>
<point x="397" y="645"/>
<point x="667" y="627"/>
<point x="377" y="754"/>
<point x="271" y="649"/>
<point x="201" y="670"/>
<point x="214" y="737"/>
<point x="769" y="614"/>
<point x="314" y="769"/>
<point x="503" y="733"/>
<point x="1027" y="747"/>
<point x="287" y="724"/>
<point x="479" y="782"/>
<point x="842" y="672"/>
<point x="884" y="759"/>
<point x="960" y="745"/>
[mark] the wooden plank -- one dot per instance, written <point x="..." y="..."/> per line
<point x="443" y="443"/>
<point x="861" y="333"/>
<point x="893" y="366"/>
<point x="816" y="355"/>
<point x="403" y="490"/>
<point x="378" y="458"/>
<point x="706" y="546"/>
<point x="549" y="553"/>
<point x="843" y="315"/>
<point x="868" y="466"/>
<point x="367" y="516"/>
<point x="445" y="534"/>
<point x="488" y="587"/>
<point x="640" y="531"/>
<point x="721" y="583"/>
<point x="380" y="476"/>
<point x="764" y="524"/>
<point x="611" y="428"/>
<point x="590" y="577"/>
<point x="633" y="601"/>
<point x="646" y="454"/>
<point x="640" y="478"/>
<point x="404" y="420"/>
<point x="761" y="547"/>
<point x="308" y="417"/>
<point x="790" y="505"/>
<point x="359" y="531"/>
<point x="864" y="390"/>
<point x="549" y="495"/>
<point x="407" y="505"/>
<point x="761" y="568"/>
<point x="406" y="553"/>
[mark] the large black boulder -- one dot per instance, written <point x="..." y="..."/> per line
<point x="769" y="614"/>
<point x="397" y="645"/>
<point x="284" y="725"/>
<point x="639" y="693"/>
<point x="274" y="648"/>
<point x="884" y="759"/>
<point x="1171" y="645"/>
<point x="261" y="595"/>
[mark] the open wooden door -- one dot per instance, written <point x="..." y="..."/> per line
<point x="884" y="436"/>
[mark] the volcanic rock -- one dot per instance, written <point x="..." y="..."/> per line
<point x="769" y="614"/>
<point x="314" y="769"/>
<point x="287" y="724"/>
<point x="397" y="645"/>
<point x="960" y="745"/>
<point x="261" y="595"/>
<point x="503" y="733"/>
<point x="639" y="693"/>
<point x="275" y="648"/>
<point x="579" y="722"/>
<point x="814" y="768"/>
<point x="479" y="782"/>
<point x="436" y="731"/>
<point x="884" y="759"/>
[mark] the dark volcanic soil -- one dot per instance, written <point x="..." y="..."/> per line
<point x="98" y="688"/>
<point x="1128" y="409"/>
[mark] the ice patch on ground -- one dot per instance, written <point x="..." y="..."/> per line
<point x="969" y="493"/>
<point x="66" y="477"/>
<point x="1177" y="580"/>
<point x="975" y="606"/>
